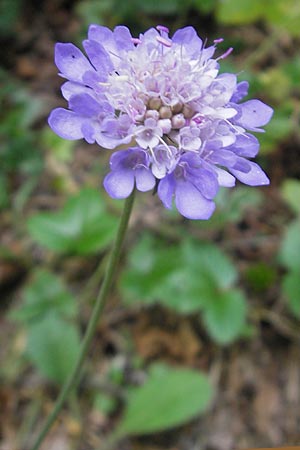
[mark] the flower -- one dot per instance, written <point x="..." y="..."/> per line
<point x="183" y="126"/>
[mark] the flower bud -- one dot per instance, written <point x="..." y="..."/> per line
<point x="154" y="103"/>
<point x="165" y="112"/>
<point x="178" y="121"/>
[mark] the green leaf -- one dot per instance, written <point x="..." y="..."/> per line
<point x="53" y="346"/>
<point x="159" y="6"/>
<point x="260" y="276"/>
<point x="291" y="289"/>
<point x="289" y="253"/>
<point x="225" y="316"/>
<point x="208" y="260"/>
<point x="184" y="277"/>
<point x="82" y="226"/>
<point x="290" y="191"/>
<point x="167" y="399"/>
<point x="239" y="12"/>
<point x="45" y="293"/>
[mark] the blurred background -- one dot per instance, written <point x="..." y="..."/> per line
<point x="198" y="347"/>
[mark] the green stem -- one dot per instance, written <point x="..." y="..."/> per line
<point x="98" y="308"/>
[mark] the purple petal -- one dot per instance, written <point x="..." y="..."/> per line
<point x="71" y="61"/>
<point x="98" y="57"/>
<point x="255" y="177"/>
<point x="119" y="184"/>
<point x="223" y="157"/>
<point x="166" y="189"/>
<point x="66" y="124"/>
<point x="191" y="203"/>
<point x="207" y="183"/>
<point x="84" y="105"/>
<point x="246" y="145"/>
<point x="253" y="114"/>
<point x="100" y="34"/>
<point x="70" y="88"/>
<point x="188" y="37"/>
<point x="145" y="181"/>
<point x="110" y="142"/>
<point x="224" y="178"/>
<point x="123" y="38"/>
<point x="88" y="132"/>
<point x="241" y="92"/>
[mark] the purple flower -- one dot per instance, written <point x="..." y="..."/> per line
<point x="182" y="123"/>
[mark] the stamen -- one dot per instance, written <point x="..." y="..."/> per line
<point x="162" y="28"/>
<point x="163" y="41"/>
<point x="218" y="41"/>
<point x="136" y="40"/>
<point x="166" y="145"/>
<point x="225" y="54"/>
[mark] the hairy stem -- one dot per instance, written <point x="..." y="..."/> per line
<point x="73" y="379"/>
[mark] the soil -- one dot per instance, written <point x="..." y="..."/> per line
<point x="257" y="380"/>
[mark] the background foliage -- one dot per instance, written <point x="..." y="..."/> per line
<point x="189" y="296"/>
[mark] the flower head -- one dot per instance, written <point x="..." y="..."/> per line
<point x="181" y="122"/>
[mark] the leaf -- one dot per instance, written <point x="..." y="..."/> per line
<point x="53" y="347"/>
<point x="45" y="293"/>
<point x="81" y="227"/>
<point x="168" y="398"/>
<point x="237" y="12"/>
<point x="225" y="316"/>
<point x="208" y="260"/>
<point x="290" y="191"/>
<point x="291" y="289"/>
<point x="289" y="253"/>
<point x="184" y="278"/>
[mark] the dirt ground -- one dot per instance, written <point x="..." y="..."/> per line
<point x="257" y="380"/>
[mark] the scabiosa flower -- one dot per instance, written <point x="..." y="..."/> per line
<point x="182" y="124"/>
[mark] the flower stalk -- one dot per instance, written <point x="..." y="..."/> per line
<point x="74" y="377"/>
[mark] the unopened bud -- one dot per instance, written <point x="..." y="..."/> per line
<point x="154" y="103"/>
<point x="165" y="125"/>
<point x="188" y="111"/>
<point x="178" y="121"/>
<point x="152" y="114"/>
<point x="176" y="108"/>
<point x="165" y="112"/>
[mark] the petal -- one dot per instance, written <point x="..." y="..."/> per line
<point x="145" y="181"/>
<point x="191" y="203"/>
<point x="224" y="178"/>
<point x="98" y="57"/>
<point x="253" y="114"/>
<point x="166" y="190"/>
<point x="88" y="132"/>
<point x="119" y="184"/>
<point x="255" y="177"/>
<point x="188" y="37"/>
<point x="123" y="38"/>
<point x="241" y="91"/>
<point x="207" y="183"/>
<point x="100" y="33"/>
<point x="245" y="145"/>
<point x="66" y="124"/>
<point x="70" y="88"/>
<point x="84" y="105"/>
<point x="71" y="61"/>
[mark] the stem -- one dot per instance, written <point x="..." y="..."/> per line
<point x="91" y="327"/>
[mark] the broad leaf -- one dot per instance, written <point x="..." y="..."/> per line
<point x="82" y="226"/>
<point x="53" y="346"/>
<point x="291" y="288"/>
<point x="225" y="316"/>
<point x="289" y="254"/>
<point x="45" y="293"/>
<point x="167" y="399"/>
<point x="291" y="194"/>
